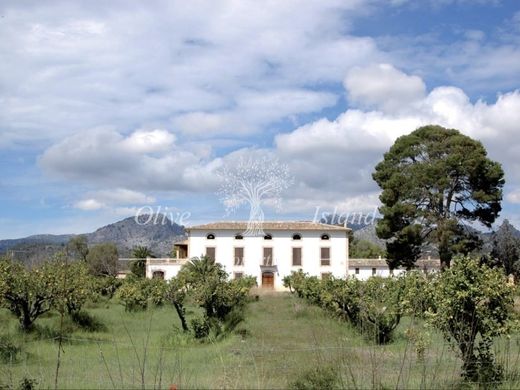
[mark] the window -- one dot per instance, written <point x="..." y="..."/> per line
<point x="296" y="256"/>
<point x="325" y="256"/>
<point x="239" y="256"/>
<point x="239" y="237"/>
<point x="297" y="236"/>
<point x="357" y="271"/>
<point x="325" y="275"/>
<point x="238" y="275"/>
<point x="210" y="252"/>
<point x="268" y="237"/>
<point x="325" y="237"/>
<point x="210" y="236"/>
<point x="374" y="271"/>
<point x="158" y="275"/>
<point x="268" y="256"/>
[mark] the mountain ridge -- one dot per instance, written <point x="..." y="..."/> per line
<point x="126" y="234"/>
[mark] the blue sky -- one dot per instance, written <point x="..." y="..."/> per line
<point x="106" y="107"/>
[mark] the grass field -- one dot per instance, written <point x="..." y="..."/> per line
<point x="281" y="339"/>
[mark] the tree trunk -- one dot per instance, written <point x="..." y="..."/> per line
<point x="180" y="312"/>
<point x="445" y="257"/>
<point x="26" y="322"/>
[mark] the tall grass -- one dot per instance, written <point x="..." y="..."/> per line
<point x="283" y="342"/>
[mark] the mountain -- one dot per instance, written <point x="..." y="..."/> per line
<point x="156" y="232"/>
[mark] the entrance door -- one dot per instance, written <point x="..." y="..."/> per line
<point x="267" y="279"/>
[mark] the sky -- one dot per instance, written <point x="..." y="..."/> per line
<point x="111" y="107"/>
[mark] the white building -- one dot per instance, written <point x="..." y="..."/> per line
<point x="317" y="249"/>
<point x="365" y="268"/>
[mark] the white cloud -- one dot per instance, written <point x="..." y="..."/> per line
<point x="104" y="157"/>
<point x="513" y="196"/>
<point x="89" y="205"/>
<point x="334" y="159"/>
<point x="227" y="66"/>
<point x="142" y="141"/>
<point x="383" y="87"/>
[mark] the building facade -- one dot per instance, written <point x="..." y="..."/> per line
<point x="317" y="249"/>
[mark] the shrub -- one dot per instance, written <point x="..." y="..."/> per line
<point x="473" y="302"/>
<point x="107" y="286"/>
<point x="27" y="294"/>
<point x="317" y="378"/>
<point x="200" y="327"/>
<point x="222" y="300"/>
<point x="342" y="297"/>
<point x="132" y="296"/>
<point x="87" y="322"/>
<point x="380" y="307"/>
<point x="9" y="351"/>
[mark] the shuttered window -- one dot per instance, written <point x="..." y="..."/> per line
<point x="325" y="256"/>
<point x="296" y="256"/>
<point x="268" y="256"/>
<point x="239" y="256"/>
<point x="210" y="252"/>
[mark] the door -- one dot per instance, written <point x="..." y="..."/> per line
<point x="267" y="280"/>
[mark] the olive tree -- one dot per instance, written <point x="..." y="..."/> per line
<point x="433" y="181"/>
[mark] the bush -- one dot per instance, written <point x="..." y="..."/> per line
<point x="107" y="286"/>
<point x="200" y="327"/>
<point x="472" y="302"/>
<point x="9" y="351"/>
<point x="317" y="378"/>
<point x="87" y="322"/>
<point x="136" y="294"/>
<point x="132" y="296"/>
<point x="380" y="307"/>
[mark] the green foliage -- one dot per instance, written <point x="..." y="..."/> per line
<point x="317" y="378"/>
<point x="417" y="295"/>
<point x="373" y="306"/>
<point x="102" y="259"/>
<point x="87" y="322"/>
<point x="107" y="286"/>
<point x="9" y="350"/>
<point x="222" y="300"/>
<point x="200" y="327"/>
<point x="380" y="307"/>
<point x="363" y="249"/>
<point x="136" y="294"/>
<point x="506" y="249"/>
<point x="74" y="285"/>
<point x="27" y="293"/>
<point x="343" y="297"/>
<point x="132" y="296"/>
<point x="27" y="384"/>
<point x="77" y="247"/>
<point x="433" y="180"/>
<point x="471" y="305"/>
<point x="138" y="267"/>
